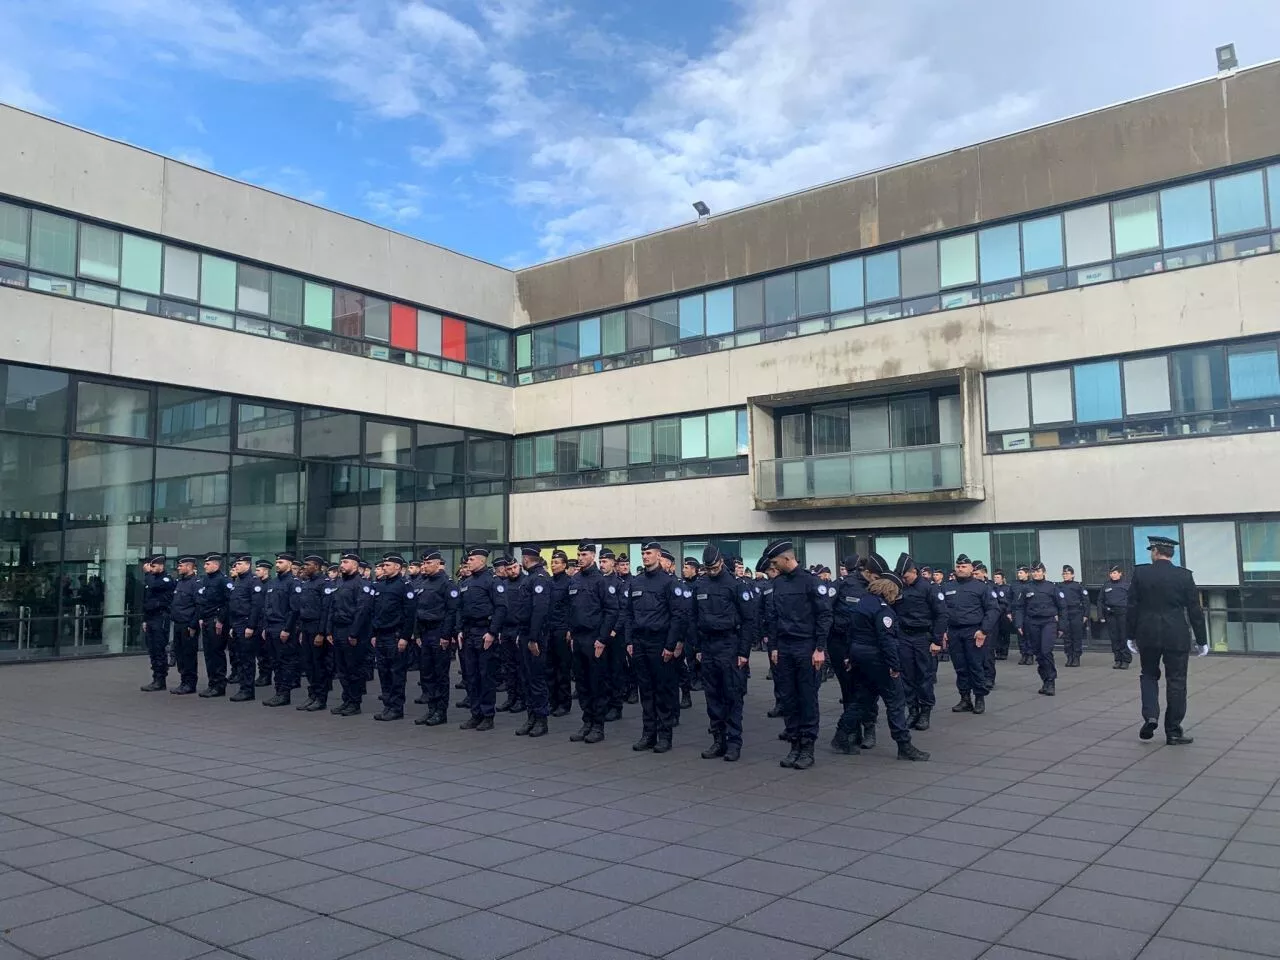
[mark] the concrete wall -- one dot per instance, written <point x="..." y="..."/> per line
<point x="50" y="163"/>
<point x="50" y="331"/>
<point x="1179" y="133"/>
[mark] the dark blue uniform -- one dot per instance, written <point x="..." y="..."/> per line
<point x="1038" y="609"/>
<point x="653" y="612"/>
<point x="482" y="609"/>
<point x="244" y="614"/>
<point x="615" y="655"/>
<point x="184" y="613"/>
<point x="157" y="595"/>
<point x="391" y="622"/>
<point x="922" y="620"/>
<point x="1077" y="601"/>
<point x="720" y="632"/>
<point x="279" y="624"/>
<point x="971" y="607"/>
<point x="989" y="648"/>
<point x="530" y="608"/>
<point x="435" y="597"/>
<point x="1006" y="631"/>
<point x="314" y="648"/>
<point x="1113" y="607"/>
<point x="592" y="617"/>
<point x="874" y="645"/>
<point x="346" y="624"/>
<point x="211" y="606"/>
<point x="508" y="657"/>
<point x="560" y="648"/>
<point x="800" y="624"/>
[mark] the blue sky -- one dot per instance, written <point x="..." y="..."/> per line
<point x="521" y="130"/>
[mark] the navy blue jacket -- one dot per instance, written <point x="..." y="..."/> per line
<point x="1038" y="601"/>
<point x="971" y="605"/>
<point x="183" y="610"/>
<point x="845" y="594"/>
<point x="393" y="615"/>
<point x="920" y="610"/>
<point x="1113" y="597"/>
<point x="157" y="595"/>
<point x="280" y="615"/>
<point x="533" y="593"/>
<point x="801" y="609"/>
<point x="874" y="626"/>
<point x="593" y="604"/>
<point x="482" y="602"/>
<point x="211" y="597"/>
<point x="721" y="607"/>
<point x="1076" y="597"/>
<point x="654" y="604"/>
<point x="435" y="597"/>
<point x="348" y="608"/>
<point x="244" y="602"/>
<point x="559" y="613"/>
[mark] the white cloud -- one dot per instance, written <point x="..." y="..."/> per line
<point x="400" y="203"/>
<point x="194" y="156"/>
<point x="290" y="181"/>
<point x="16" y="90"/>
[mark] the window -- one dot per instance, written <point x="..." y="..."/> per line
<point x="882" y="277"/>
<point x="1097" y="391"/>
<point x="1141" y="543"/>
<point x="845" y="278"/>
<point x="286" y="299"/>
<point x="486" y="456"/>
<point x="1273" y="191"/>
<point x="544" y="347"/>
<point x="53" y="243"/>
<point x="1260" y="550"/>
<point x="197" y="421"/>
<point x="1187" y="215"/>
<point x="265" y="429"/>
<point x="14" y="224"/>
<point x="1238" y="203"/>
<point x="1088" y="235"/>
<point x="522" y="458"/>
<point x="99" y="253"/>
<point x="958" y="260"/>
<point x="869" y="426"/>
<point x="217" y="282"/>
<point x="744" y="437"/>
<point x="998" y="253"/>
<point x="453" y="339"/>
<point x="666" y="323"/>
<point x="829" y="426"/>
<point x="112" y="411"/>
<point x="1007" y="404"/>
<point x="639" y="329"/>
<point x="348" y="312"/>
<point x="1136" y="224"/>
<point x="719" y="310"/>
<point x="1100" y="547"/>
<point x="1042" y="244"/>
<point x="748" y="305"/>
<point x="811" y="290"/>
<point x="1051" y="396"/>
<point x="589" y="449"/>
<point x="666" y="441"/>
<point x="779" y="299"/>
<point x="524" y="350"/>
<point x="1199" y="380"/>
<point x="140" y="260"/>
<point x="976" y="545"/>
<point x="639" y="442"/>
<point x="429" y="332"/>
<point x="318" y="306"/>
<point x="613" y="333"/>
<point x="181" y="273"/>
<point x="614" y="446"/>
<point x="377" y="319"/>
<point x="693" y="438"/>
<point x="330" y="435"/>
<point x="1009" y="548"/>
<point x="920" y="269"/>
<point x="404" y="327"/>
<point x="1146" y="385"/>
<point x="33" y="400"/>
<point x="791" y="435"/>
<point x="912" y="421"/>
<point x="389" y="443"/>
<point x="1254" y="373"/>
<point x="486" y="519"/>
<point x="589" y="337"/>
<point x="722" y="435"/>
<point x="1210" y="550"/>
<point x="566" y="342"/>
<point x="566" y="455"/>
<point x="544" y="454"/>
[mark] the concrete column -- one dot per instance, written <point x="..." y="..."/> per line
<point x="116" y="479"/>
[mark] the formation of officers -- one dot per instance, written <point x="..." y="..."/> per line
<point x="590" y="627"/>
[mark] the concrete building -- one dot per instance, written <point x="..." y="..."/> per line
<point x="1046" y="346"/>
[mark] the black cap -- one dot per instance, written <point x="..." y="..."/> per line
<point x="651" y="545"/>
<point x="777" y="548"/>
<point x="892" y="578"/>
<point x="213" y="556"/>
<point x="963" y="559"/>
<point x="186" y="558"/>
<point x="1023" y="568"/>
<point x="1068" y="568"/>
<point x="501" y="560"/>
<point x="623" y="558"/>
<point x="238" y="557"/>
<point x="1036" y="565"/>
<point x="979" y="565"/>
<point x="734" y="561"/>
<point x="432" y="555"/>
<point x="263" y="565"/>
<point x="763" y="565"/>
<point x="156" y="558"/>
<point x="904" y="564"/>
<point x="353" y="556"/>
<point x="926" y="569"/>
<point x="606" y="553"/>
<point x="287" y="556"/>
<point x="1116" y="568"/>
<point x="999" y="572"/>
<point x="689" y="562"/>
<point x="710" y="554"/>
<point x="477" y="552"/>
<point x="876" y="564"/>
<point x="1166" y="542"/>
<point x="852" y="562"/>
<point x="667" y="555"/>
<point x="333" y="568"/>
<point x="586" y="546"/>
<point x="315" y="558"/>
<point x="559" y="555"/>
<point x="393" y="558"/>
<point x="530" y="552"/>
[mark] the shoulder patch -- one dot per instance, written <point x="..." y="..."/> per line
<point x="822" y="589"/>
<point x="166" y="579"/>
<point x="678" y="592"/>
<point x="887" y="621"/>
<point x="1062" y="595"/>
<point x="259" y="590"/>
<point x="297" y="589"/>
<point x="942" y="596"/>
<point x="612" y="590"/>
<point x="230" y="585"/>
<point x="327" y="590"/>
<point x="688" y="594"/>
<point x="408" y="594"/>
<point x="453" y="593"/>
<point x="537" y="588"/>
<point x="366" y="589"/>
<point x="201" y="590"/>
<point x="501" y="588"/>
<point x="746" y="595"/>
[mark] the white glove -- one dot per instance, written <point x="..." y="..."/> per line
<point x="1202" y="651"/>
<point x="1133" y="647"/>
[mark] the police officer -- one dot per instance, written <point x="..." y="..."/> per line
<point x="559" y="646"/>
<point x="622" y="567"/>
<point x="593" y="617"/>
<point x="972" y="617"/>
<point x="615" y="653"/>
<point x="314" y="649"/>
<point x="279" y="623"/>
<point x="185" y="613"/>
<point x="346" y="622"/>
<point x="1077" y="600"/>
<point x="1113" y="606"/>
<point x="1005" y="632"/>
<point x="509" y="573"/>
<point x="482" y="613"/>
<point x="436" y="598"/>
<point x="845" y="594"/>
<point x="391" y="624"/>
<point x="157" y="596"/>
<point x="989" y="649"/>
<point x="1039" y="610"/>
<point x="244" y="623"/>
<point x="653" y="624"/>
<point x="720" y="630"/>
<point x="262" y="571"/>
<point x="530" y="607"/>
<point x="798" y="629"/>
<point x="1163" y="601"/>
<point x="922" y="620"/>
<point x="692" y="680"/>
<point x="211" y="605"/>
<point x="668" y="562"/>
<point x="1026" y="653"/>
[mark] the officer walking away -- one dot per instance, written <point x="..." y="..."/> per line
<point x="346" y="620"/>
<point x="1163" y="601"/>
<point x="482" y="612"/>
<point x="1077" y="601"/>
<point x="244" y="623"/>
<point x="279" y="623"/>
<point x="592" y="617"/>
<point x="1039" y="609"/>
<point x="262" y="571"/>
<point x="185" y="613"/>
<point x="391" y="623"/>
<point x="653" y="624"/>
<point x="559" y="647"/>
<point x="1113" y="606"/>
<point x="530" y="607"/>
<point x="720" y="631"/>
<point x="972" y="615"/>
<point x="1026" y="650"/>
<point x="800" y="622"/>
<point x="211" y="605"/>
<point x="922" y="620"/>
<point x="157" y="596"/>
<point x="1005" y="632"/>
<point x="436" y="599"/>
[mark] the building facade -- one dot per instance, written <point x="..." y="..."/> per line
<point x="1047" y="346"/>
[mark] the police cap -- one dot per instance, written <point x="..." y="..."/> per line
<point x="287" y="556"/>
<point x="1162" y="542"/>
<point x="393" y="558"/>
<point x="777" y="548"/>
<point x="586" y="546"/>
<point x="432" y="555"/>
<point x="876" y="564"/>
<point x="710" y="554"/>
<point x="186" y="558"/>
<point x="530" y="552"/>
<point x="651" y="545"/>
<point x="962" y="560"/>
<point x="477" y="552"/>
<point x="315" y="558"/>
<point x="216" y="557"/>
<point x="606" y="554"/>
<point x="156" y="558"/>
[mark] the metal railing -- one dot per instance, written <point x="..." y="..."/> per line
<point x="901" y="470"/>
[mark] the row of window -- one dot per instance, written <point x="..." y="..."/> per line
<point x="882" y="423"/>
<point x="59" y="255"/>
<point x="1222" y="388"/>
<point x="1213" y="219"/>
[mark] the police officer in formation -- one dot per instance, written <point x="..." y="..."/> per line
<point x="560" y="647"/>
<point x="482" y="612"/>
<point x="922" y="622"/>
<point x="262" y="571"/>
<point x="720" y="631"/>
<point x="529" y="607"/>
<point x="211" y="608"/>
<point x="511" y="669"/>
<point x="157" y="597"/>
<point x="436" y="613"/>
<point x="1076" y="598"/>
<point x="184" y="612"/>
<point x="279" y="621"/>
<point x="972" y="616"/>
<point x="592" y="618"/>
<point x="392" y="619"/>
<point x="1026" y="652"/>
<point x="1113" y="607"/>
<point x="315" y="653"/>
<point x="345" y="623"/>
<point x="1039" y="611"/>
<point x="844" y="594"/>
<point x="244" y="623"/>
<point x="654" y="625"/>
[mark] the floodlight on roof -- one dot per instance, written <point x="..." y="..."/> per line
<point x="1226" y="55"/>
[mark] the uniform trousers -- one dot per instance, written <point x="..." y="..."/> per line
<point x="186" y="643"/>
<point x="988" y="652"/>
<point x="590" y="678"/>
<point x="481" y="670"/>
<point x="799" y="687"/>
<point x="349" y="662"/>
<point x="1175" y="686"/>
<point x="871" y="678"/>
<point x="1004" y="636"/>
<point x="156" y="632"/>
<point x="433" y="664"/>
<point x="559" y="670"/>
<point x="533" y="676"/>
<point x="969" y="660"/>
<point x="393" y="667"/>
<point x="317" y="663"/>
<point x="724" y="684"/>
<point x="1041" y="637"/>
<point x="286" y="656"/>
<point x="615" y="656"/>
<point x="509" y="664"/>
<point x="214" y="642"/>
<point x="657" y="681"/>
<point x="1026" y="645"/>
<point x="919" y="670"/>
<point x="245" y="648"/>
<point x="1073" y="634"/>
<point x="1114" y="628"/>
<point x="837" y="654"/>
<point x="266" y="657"/>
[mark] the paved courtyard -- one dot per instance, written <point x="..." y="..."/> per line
<point x="148" y="827"/>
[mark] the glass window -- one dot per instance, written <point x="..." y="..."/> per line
<point x="589" y="449"/>
<point x="112" y="411"/>
<point x="34" y="400"/>
<point x="264" y="504"/>
<point x="639" y="329"/>
<point x="197" y="421"/>
<point x="429" y="332"/>
<point x="1097" y="391"/>
<point x="140" y="264"/>
<point x="348" y="313"/>
<point x="1273" y="192"/>
<point x="693" y="438"/>
<point x="869" y="426"/>
<point x="845" y="277"/>
<point x="181" y="273"/>
<point x="1254" y="372"/>
<point x="640" y="442"/>
<point x="53" y="243"/>
<point x="522" y="463"/>
<point x="566" y="451"/>
<point x="14" y="224"/>
<point x="486" y="456"/>
<point x="317" y="308"/>
<point x="998" y="253"/>
<point x="565" y="336"/>
<point x="615" y="446"/>
<point x="264" y="429"/>
<point x="666" y="322"/>
<point x="692" y="318"/>
<point x="829" y="426"/>
<point x="613" y="333"/>
<point x="99" y="253"/>
<point x="1136" y="224"/>
<point x="1088" y="234"/>
<point x="1042" y="244"/>
<point x="544" y="346"/>
<point x="791" y="435"/>
<point x="524" y="348"/>
<point x="330" y="435"/>
<point x="589" y="337"/>
<point x="779" y="299"/>
<point x="666" y="440"/>
<point x="286" y="299"/>
<point x="1146" y="385"/>
<point x="748" y="305"/>
<point x="811" y="288"/>
<point x="882" y="277"/>
<point x="1199" y="380"/>
<point x="1187" y="215"/>
<point x="722" y="435"/>
<point x="719" y="307"/>
<point x="919" y="269"/>
<point x="1209" y="549"/>
<point x="390" y="443"/>
<point x="217" y="282"/>
<point x="1051" y="396"/>
<point x="1238" y="203"/>
<point x="486" y="519"/>
<point x="1260" y="550"/>
<point x="544" y="454"/>
<point x="440" y="450"/>
<point x="976" y="545"/>
<point x="744" y="436"/>
<point x="1007" y="403"/>
<point x="377" y="320"/>
<point x="253" y="290"/>
<point x="1140" y="541"/>
<point x="958" y="259"/>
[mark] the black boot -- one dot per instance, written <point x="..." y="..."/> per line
<point x="264" y="680"/>
<point x="790" y="759"/>
<point x="647" y="742"/>
<point x="524" y="728"/>
<point x="421" y="699"/>
<point x="868" y="739"/>
<point x="317" y="706"/>
<point x="337" y="711"/>
<point x="562" y="711"/>
<point x="595" y="734"/>
<point x="1178" y="740"/>
<point x="183" y="689"/>
<point x="716" y="749"/>
<point x="613" y="714"/>
<point x="732" y="752"/>
<point x="153" y="686"/>
<point x="300" y="707"/>
<point x="804" y="759"/>
<point x="964" y="706"/>
<point x="539" y="728"/>
<point x="464" y="703"/>
<point x="486" y="723"/>
<point x="633" y="697"/>
<point x="349" y="710"/>
<point x="664" y="744"/>
<point x="922" y="722"/>
<point x="507" y="704"/>
<point x="908" y="751"/>
<point x="979" y="704"/>
<point x="1148" y="729"/>
<point x="913" y="714"/>
<point x="1047" y="688"/>
<point x="844" y="743"/>
<point x="581" y="735"/>
<point x="389" y="714"/>
<point x="470" y="723"/>
<point x="241" y="696"/>
<point x="209" y="692"/>
<point x="518" y="706"/>
<point x="776" y="712"/>
<point x="279" y="700"/>
<point x="1117" y="665"/>
<point x="686" y="701"/>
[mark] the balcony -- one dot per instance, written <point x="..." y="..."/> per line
<point x="933" y="473"/>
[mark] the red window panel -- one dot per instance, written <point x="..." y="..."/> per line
<point x="404" y="327"/>
<point x="453" y="336"/>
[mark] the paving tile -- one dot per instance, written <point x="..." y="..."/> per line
<point x="625" y="882"/>
<point x="1151" y="861"/>
<point x="556" y="866"/>
<point x="1075" y="939"/>
<point x="42" y="904"/>
<point x="322" y="939"/>
<point x="1081" y="829"/>
<point x="186" y="847"/>
<point x="710" y="901"/>
<point x="61" y="934"/>
<point x="1162" y="948"/>
<point x="480" y="936"/>
<point x="416" y="872"/>
<point x="896" y="941"/>
<point x="1234" y="874"/>
<point x="355" y="857"/>
<point x="484" y="889"/>
<point x="778" y="879"/>
<point x="242" y="920"/>
<point x="1105" y="879"/>
<point x="1021" y="893"/>
<point x="611" y="846"/>
<point x="432" y="839"/>
<point x="1031" y="866"/>
<point x="43" y="854"/>
<point x="916" y="874"/>
<point x="1258" y="854"/>
<point x="153" y="943"/>
<point x="394" y="950"/>
<point x="336" y="894"/>
<point x="853" y="893"/>
<point x="728" y="943"/>
<point x="807" y="923"/>
<point x="1168" y="842"/>
<point x="487" y="852"/>
<point x="278" y="876"/>
<point x="816" y="856"/>
<point x="304" y="844"/>
<point x="134" y="883"/>
<point x="648" y="931"/>
<point x="685" y="861"/>
<point x="171" y="903"/>
<point x="741" y="843"/>
<point x="231" y="860"/>
<point x="560" y="908"/>
<point x="1112" y="909"/>
<point x="14" y="883"/>
<point x="936" y="851"/>
<point x="1237" y="900"/>
<point x="1063" y="848"/>
<point x="964" y="918"/>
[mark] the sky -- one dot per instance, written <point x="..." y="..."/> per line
<point x="518" y="131"/>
